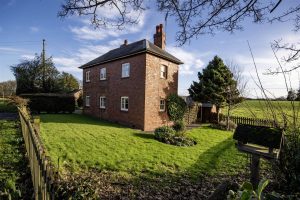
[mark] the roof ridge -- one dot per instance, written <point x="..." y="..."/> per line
<point x="131" y="49"/>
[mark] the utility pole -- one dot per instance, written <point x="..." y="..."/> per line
<point x="43" y="65"/>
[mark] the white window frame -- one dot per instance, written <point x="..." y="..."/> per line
<point x="123" y="103"/>
<point x="125" y="70"/>
<point x="87" y="101"/>
<point x="162" y="105"/>
<point x="103" y="73"/>
<point x="102" y="102"/>
<point x="87" y="76"/>
<point x="164" y="71"/>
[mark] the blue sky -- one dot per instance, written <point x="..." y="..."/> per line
<point x="72" y="42"/>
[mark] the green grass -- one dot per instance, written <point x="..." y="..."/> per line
<point x="14" y="173"/>
<point x="5" y="106"/>
<point x="82" y="142"/>
<point x="258" y="109"/>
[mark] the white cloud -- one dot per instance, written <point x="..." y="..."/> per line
<point x="34" y="29"/>
<point x="83" y="55"/>
<point x="11" y="2"/>
<point x="192" y="63"/>
<point x="12" y="50"/>
<point x="274" y="84"/>
<point x="87" y="32"/>
<point x="27" y="56"/>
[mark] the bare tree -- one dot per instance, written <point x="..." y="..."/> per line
<point x="8" y="88"/>
<point x="92" y="8"/>
<point x="236" y="91"/>
<point x="193" y="17"/>
<point x="292" y="57"/>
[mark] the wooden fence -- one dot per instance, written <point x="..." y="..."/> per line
<point x="245" y="120"/>
<point x="42" y="172"/>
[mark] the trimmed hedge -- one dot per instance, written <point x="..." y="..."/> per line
<point x="176" y="107"/>
<point x="50" y="102"/>
<point x="261" y="135"/>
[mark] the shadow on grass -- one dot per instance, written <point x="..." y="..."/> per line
<point x="212" y="166"/>
<point x="78" y="119"/>
<point x="144" y="135"/>
<point x="213" y="158"/>
<point x="196" y="182"/>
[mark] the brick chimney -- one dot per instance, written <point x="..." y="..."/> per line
<point x="125" y="43"/>
<point x="160" y="37"/>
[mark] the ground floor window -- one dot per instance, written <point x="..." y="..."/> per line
<point x="102" y="102"/>
<point x="124" y="103"/>
<point x="87" y="101"/>
<point x="162" y="105"/>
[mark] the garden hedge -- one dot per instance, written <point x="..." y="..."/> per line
<point x="50" y="102"/>
<point x="260" y="135"/>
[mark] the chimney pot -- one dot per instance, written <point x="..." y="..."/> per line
<point x="157" y="29"/>
<point x="160" y="37"/>
<point x="125" y="42"/>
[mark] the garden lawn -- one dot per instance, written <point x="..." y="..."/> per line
<point x="83" y="142"/>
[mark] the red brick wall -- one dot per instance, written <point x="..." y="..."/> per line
<point x="157" y="88"/>
<point x="144" y="88"/>
<point x="114" y="87"/>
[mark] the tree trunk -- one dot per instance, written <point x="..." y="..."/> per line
<point x="228" y="117"/>
<point x="218" y="114"/>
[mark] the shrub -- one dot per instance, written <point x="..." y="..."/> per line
<point x="164" y="134"/>
<point x="260" y="135"/>
<point x="289" y="161"/>
<point x="247" y="191"/>
<point x="80" y="101"/>
<point x="176" y="107"/>
<point x="223" y="125"/>
<point x="183" y="141"/>
<point x="50" y="103"/>
<point x="179" y="126"/>
<point x="168" y="135"/>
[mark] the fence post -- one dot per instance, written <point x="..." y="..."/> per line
<point x="40" y="165"/>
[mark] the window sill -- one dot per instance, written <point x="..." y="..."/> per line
<point x="124" y="110"/>
<point x="87" y="81"/>
<point x="103" y="79"/>
<point x="125" y="77"/>
<point x="102" y="108"/>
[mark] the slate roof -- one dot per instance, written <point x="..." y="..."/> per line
<point x="142" y="46"/>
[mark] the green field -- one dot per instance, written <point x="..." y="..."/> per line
<point x="260" y="109"/>
<point x="14" y="172"/>
<point x="81" y="142"/>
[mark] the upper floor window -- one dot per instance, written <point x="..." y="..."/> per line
<point x="103" y="74"/>
<point x="87" y="101"/>
<point x="163" y="71"/>
<point x="102" y="102"/>
<point x="124" y="103"/>
<point x="87" y="76"/>
<point x="162" y="105"/>
<point x="125" y="70"/>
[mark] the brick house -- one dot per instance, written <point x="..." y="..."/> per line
<point x="129" y="85"/>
